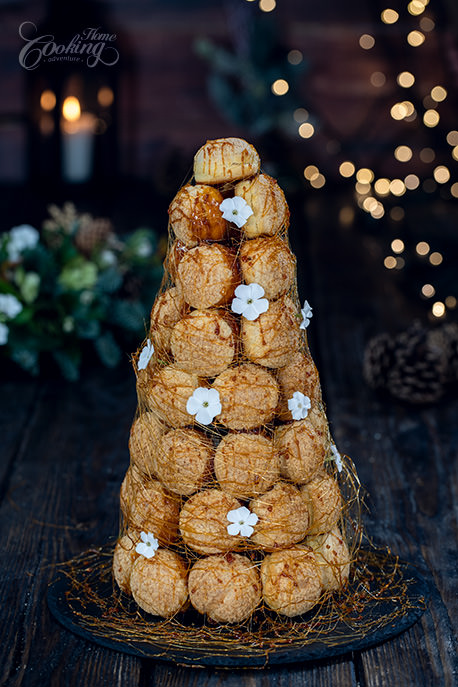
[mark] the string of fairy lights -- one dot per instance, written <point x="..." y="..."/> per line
<point x="374" y="194"/>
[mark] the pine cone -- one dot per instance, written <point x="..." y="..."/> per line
<point x="92" y="233"/>
<point x="378" y="360"/>
<point x="419" y="371"/>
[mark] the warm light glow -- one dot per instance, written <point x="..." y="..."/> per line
<point x="378" y="211"/>
<point x="441" y="174"/>
<point x="452" y="138"/>
<point x="428" y="290"/>
<point x="346" y="215"/>
<point x="412" y="182"/>
<point x="431" y="118"/>
<point x="415" y="38"/>
<point x="422" y="248"/>
<point x="427" y="24"/>
<point x="295" y="57"/>
<point x="397" y="187"/>
<point x="48" y="101"/>
<point x="405" y="79"/>
<point x="455" y="153"/>
<point x="390" y="262"/>
<point x="409" y="107"/>
<point x="397" y="213"/>
<point x="450" y="302"/>
<point x="280" y="87"/>
<point x="306" y="130"/>
<point x="318" y="181"/>
<point x="397" y="245"/>
<point x="438" y="93"/>
<point x="347" y="169"/>
<point x="398" y="111"/>
<point x="367" y="41"/>
<point x="267" y="5"/>
<point x="46" y="124"/>
<point x="438" y="309"/>
<point x="389" y="16"/>
<point x="105" y="96"/>
<point x="71" y="109"/>
<point x="454" y="189"/>
<point x="415" y="7"/>
<point x="382" y="187"/>
<point x="301" y="115"/>
<point x="378" y="79"/>
<point x="436" y="258"/>
<point x="362" y="188"/>
<point x="311" y="171"/>
<point x="403" y="153"/>
<point x="370" y="203"/>
<point x="365" y="175"/>
<point x="427" y="154"/>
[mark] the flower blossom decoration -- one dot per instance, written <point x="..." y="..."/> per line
<point x="236" y="210"/>
<point x="10" y="305"/>
<point x="145" y="355"/>
<point x="148" y="545"/>
<point x="336" y="457"/>
<point x="299" y="405"/>
<point x="242" y="522"/>
<point x="4" y="333"/>
<point x="307" y="315"/>
<point x="249" y="301"/>
<point x="204" y="404"/>
<point x="21" y="238"/>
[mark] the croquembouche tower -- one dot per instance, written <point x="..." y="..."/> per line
<point x="231" y="504"/>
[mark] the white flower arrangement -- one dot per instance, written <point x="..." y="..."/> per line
<point x="236" y="210"/>
<point x="145" y="355"/>
<point x="204" y="404"/>
<point x="299" y="405"/>
<point x="148" y="545"/>
<point x="336" y="457"/>
<point x="307" y="315"/>
<point x="242" y="522"/>
<point x="10" y="305"/>
<point x="249" y="301"/>
<point x="21" y="238"/>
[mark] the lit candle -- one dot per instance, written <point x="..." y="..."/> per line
<point x="77" y="141"/>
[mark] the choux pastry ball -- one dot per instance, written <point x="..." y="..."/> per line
<point x="302" y="450"/>
<point x="283" y="517"/>
<point x="124" y="557"/>
<point x="299" y="374"/>
<point x="182" y="461"/>
<point x="291" y="581"/>
<point x="225" y="588"/>
<point x="246" y="464"/>
<point x="333" y="558"/>
<point x="324" y="501"/>
<point x="203" y="522"/>
<point x="267" y="200"/>
<point x="145" y="434"/>
<point x="225" y="159"/>
<point x="159" y="584"/>
<point x="154" y="510"/>
<point x="208" y="276"/>
<point x="195" y="215"/>
<point x="167" y="310"/>
<point x="167" y="394"/>
<point x="269" y="262"/>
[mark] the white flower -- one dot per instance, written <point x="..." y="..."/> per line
<point x="204" y="404"/>
<point x="307" y="314"/>
<point x="299" y="405"/>
<point x="145" y="355"/>
<point x="236" y="210"/>
<point x="4" y="331"/>
<point x="336" y="457"/>
<point x="68" y="325"/>
<point x="108" y="258"/>
<point x="20" y="238"/>
<point x="242" y="521"/>
<point x="148" y="545"/>
<point x="249" y="301"/>
<point x="144" y="249"/>
<point x="10" y="305"/>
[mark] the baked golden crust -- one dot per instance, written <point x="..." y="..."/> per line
<point x="124" y="557"/>
<point x="291" y="581"/>
<point x="195" y="215"/>
<point x="324" y="501"/>
<point x="203" y="522"/>
<point x="225" y="159"/>
<point x="267" y="200"/>
<point x="226" y="588"/>
<point x="299" y="374"/>
<point x="248" y="396"/>
<point x="167" y="393"/>
<point x="145" y="434"/>
<point x="204" y="342"/>
<point x="283" y="517"/>
<point x="274" y="336"/>
<point x="208" y="275"/>
<point x="182" y="461"/>
<point x="302" y="449"/>
<point x="269" y="262"/>
<point x="333" y="557"/>
<point x="159" y="584"/>
<point x="154" y="510"/>
<point x="246" y="464"/>
<point x="167" y="310"/>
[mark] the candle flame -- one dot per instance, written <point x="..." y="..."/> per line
<point x="71" y="109"/>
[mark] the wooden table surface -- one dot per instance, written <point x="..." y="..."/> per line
<point x="64" y="454"/>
